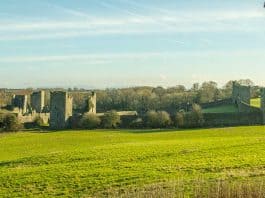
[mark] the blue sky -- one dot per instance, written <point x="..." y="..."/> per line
<point x="121" y="43"/>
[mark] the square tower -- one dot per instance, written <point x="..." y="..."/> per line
<point x="38" y="101"/>
<point x="61" y="109"/>
<point x="235" y="92"/>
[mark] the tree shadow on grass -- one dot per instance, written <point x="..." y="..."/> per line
<point x="133" y="131"/>
<point x="120" y="130"/>
<point x="143" y="131"/>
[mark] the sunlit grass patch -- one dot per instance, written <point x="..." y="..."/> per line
<point x="255" y="102"/>
<point x="90" y="163"/>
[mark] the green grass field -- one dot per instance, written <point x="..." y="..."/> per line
<point x="98" y="163"/>
<point x="221" y="109"/>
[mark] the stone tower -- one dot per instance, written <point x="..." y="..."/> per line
<point x="61" y="109"/>
<point x="241" y="93"/>
<point x="92" y="103"/>
<point x="245" y="94"/>
<point x="21" y="102"/>
<point x="262" y="103"/>
<point x="38" y="101"/>
<point x="235" y="92"/>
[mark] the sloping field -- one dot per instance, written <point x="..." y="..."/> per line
<point x="221" y="109"/>
<point x="99" y="163"/>
<point x="255" y="102"/>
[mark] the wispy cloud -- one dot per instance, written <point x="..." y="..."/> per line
<point x="110" y="57"/>
<point x="163" y="21"/>
<point x="196" y="17"/>
<point x="94" y="58"/>
<point x="72" y="12"/>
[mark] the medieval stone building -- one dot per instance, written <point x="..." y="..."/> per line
<point x="38" y="101"/>
<point x="59" y="112"/>
<point x="61" y="109"/>
<point x="241" y="93"/>
<point x="20" y="102"/>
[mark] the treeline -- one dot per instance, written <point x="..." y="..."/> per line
<point x="143" y="99"/>
<point x="171" y="100"/>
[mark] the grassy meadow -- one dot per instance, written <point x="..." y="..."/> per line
<point x="221" y="109"/>
<point x="127" y="163"/>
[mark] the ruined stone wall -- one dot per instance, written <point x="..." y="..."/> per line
<point x="21" y="102"/>
<point x="262" y="103"/>
<point x="235" y="92"/>
<point x="245" y="94"/>
<point x="61" y="109"/>
<point x="38" y="101"/>
<point x="241" y="93"/>
<point x="30" y="118"/>
<point x="232" y="119"/>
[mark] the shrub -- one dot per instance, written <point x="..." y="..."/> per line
<point x="89" y="121"/>
<point x="160" y="119"/>
<point x="180" y="119"/>
<point x="151" y="119"/>
<point x="197" y="115"/>
<point x="164" y="119"/>
<point x="11" y="123"/>
<point x="74" y="121"/>
<point x="111" y="119"/>
<point x="137" y="123"/>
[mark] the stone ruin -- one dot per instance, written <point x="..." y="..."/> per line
<point x="61" y="109"/>
<point x="58" y="112"/>
<point x="38" y="101"/>
<point x="241" y="94"/>
<point x="28" y="108"/>
<point x="262" y="103"/>
<point x="20" y="103"/>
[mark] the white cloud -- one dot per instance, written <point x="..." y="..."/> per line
<point x="209" y="21"/>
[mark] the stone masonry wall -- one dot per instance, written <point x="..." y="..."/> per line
<point x="38" y="101"/>
<point x="61" y="109"/>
